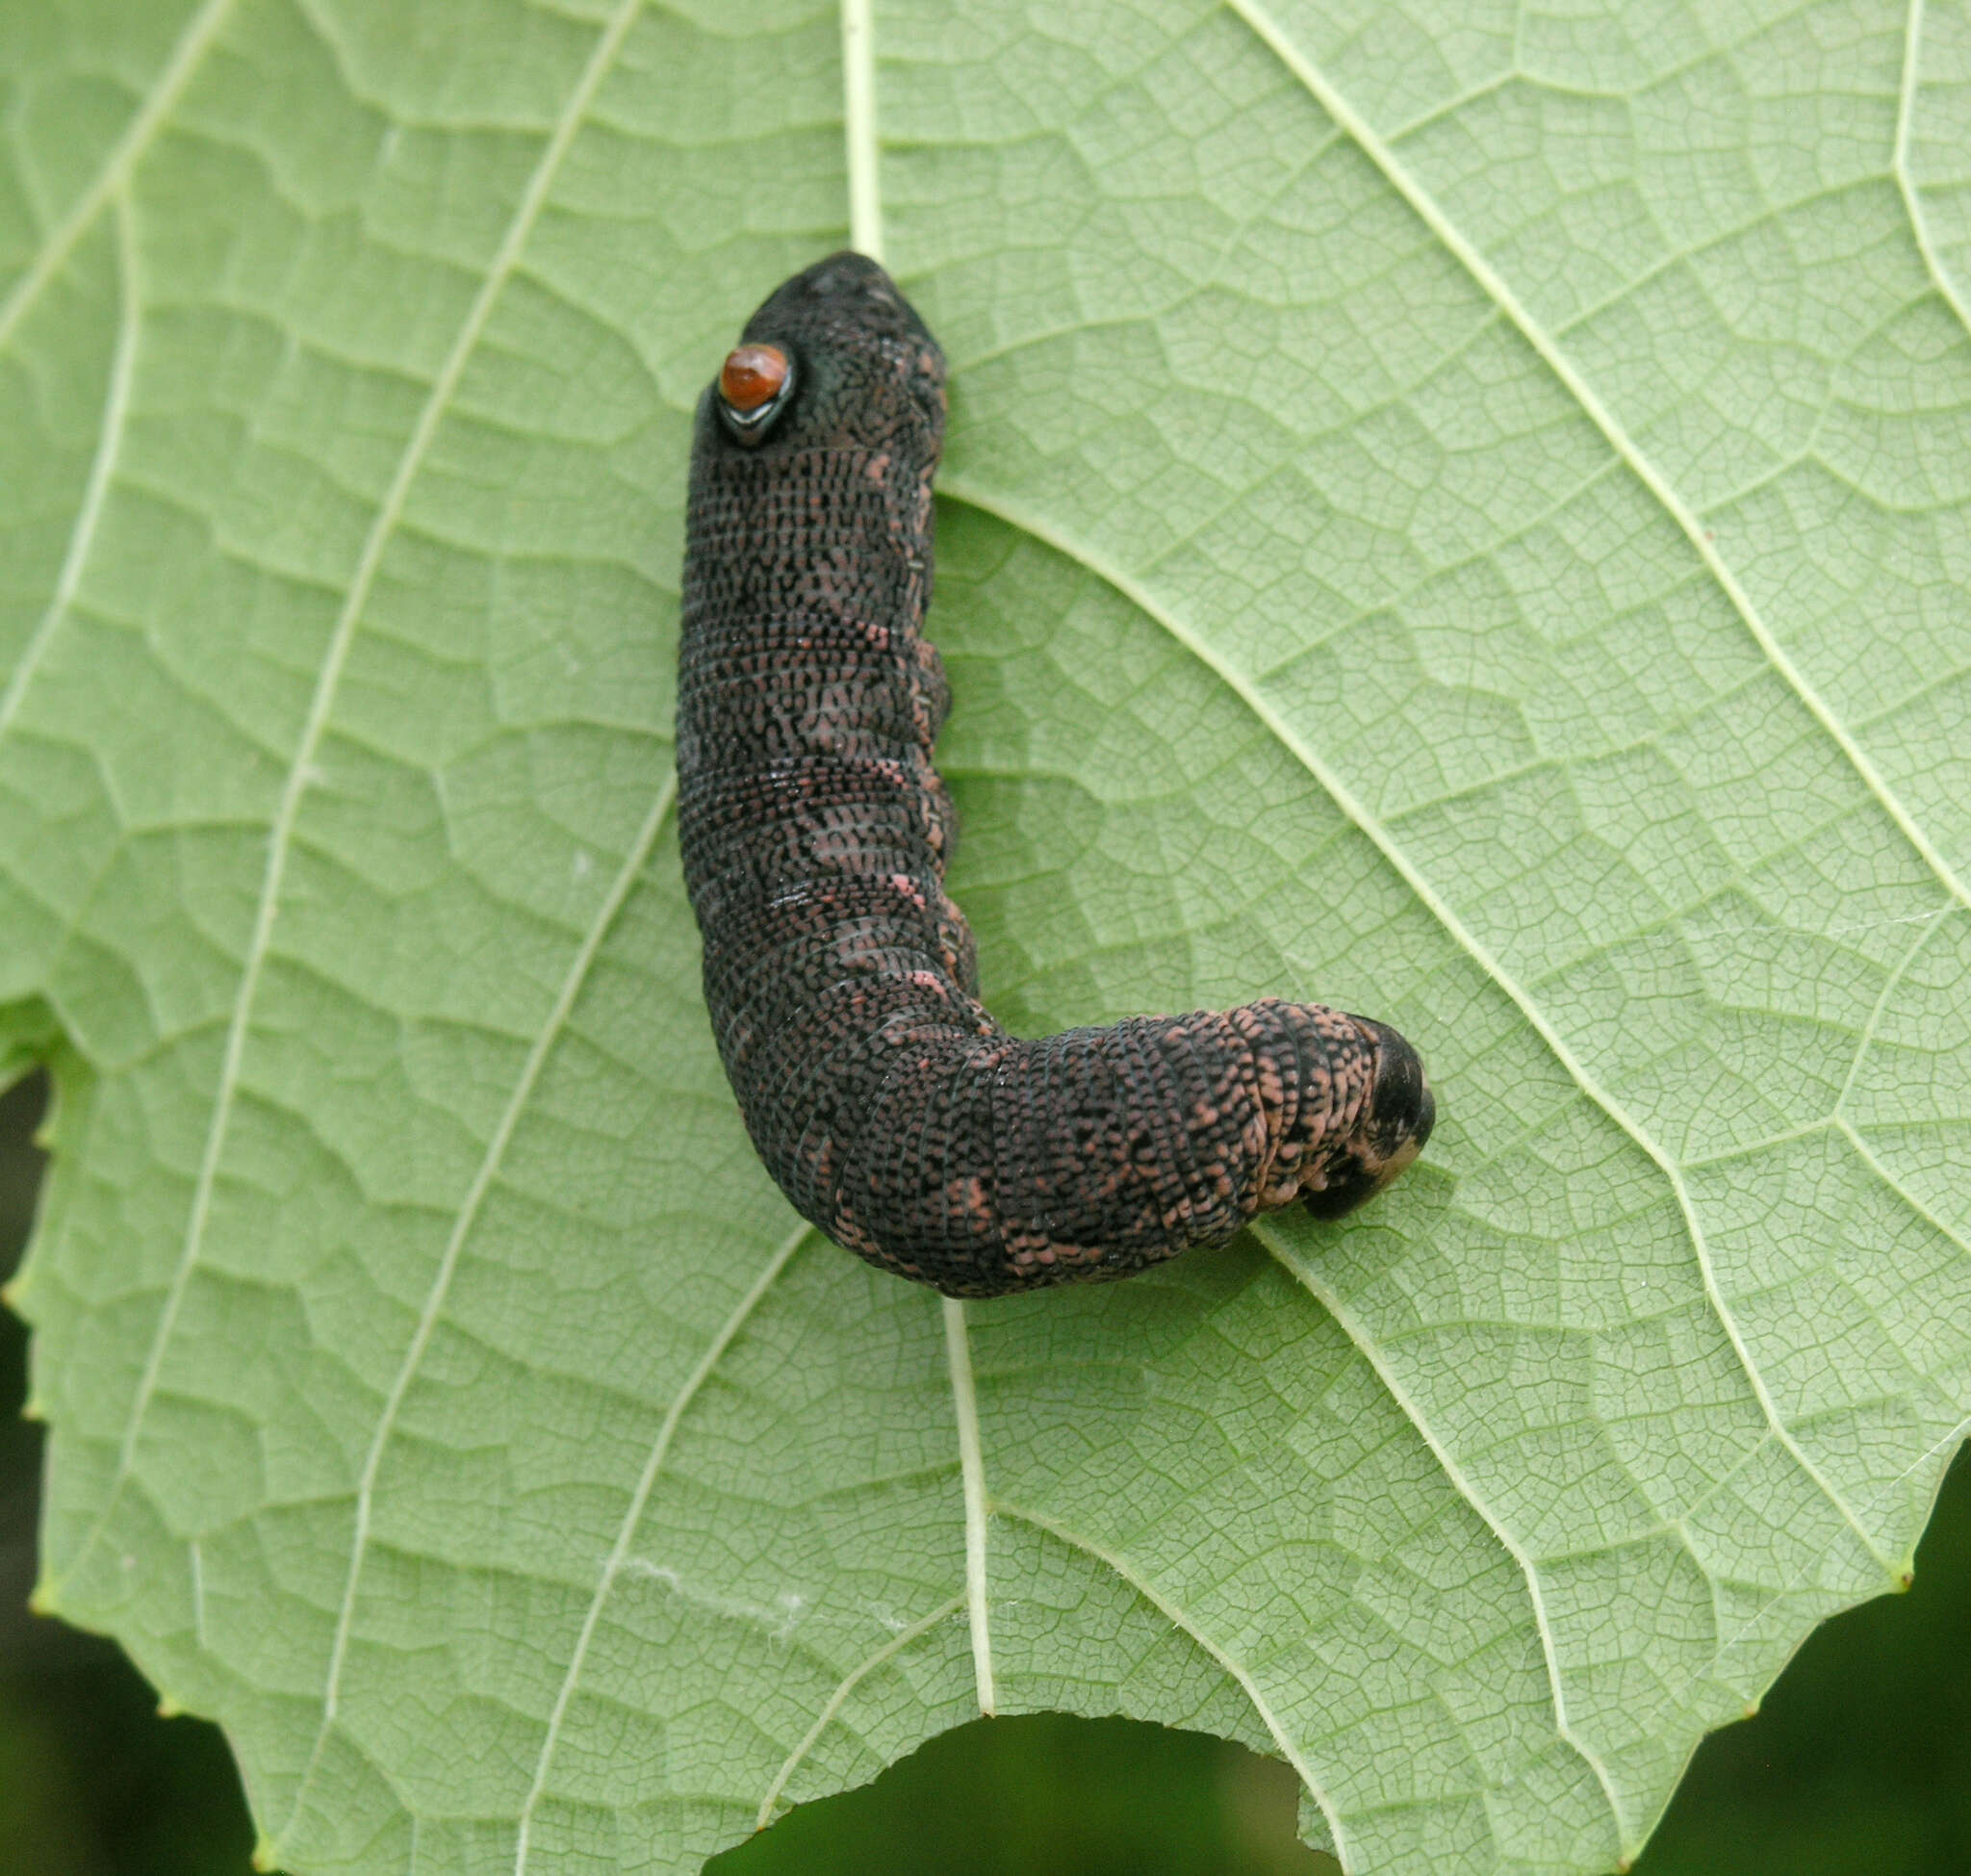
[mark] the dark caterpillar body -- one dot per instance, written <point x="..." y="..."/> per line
<point x="893" y="1111"/>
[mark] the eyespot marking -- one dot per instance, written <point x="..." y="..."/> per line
<point x="755" y="384"/>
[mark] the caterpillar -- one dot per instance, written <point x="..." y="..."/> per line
<point x="842" y="982"/>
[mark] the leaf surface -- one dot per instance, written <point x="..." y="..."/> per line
<point x="1457" y="511"/>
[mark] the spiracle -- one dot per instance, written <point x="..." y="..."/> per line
<point x="842" y="982"/>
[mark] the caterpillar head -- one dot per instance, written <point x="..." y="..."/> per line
<point x="834" y="358"/>
<point x="1393" y="1124"/>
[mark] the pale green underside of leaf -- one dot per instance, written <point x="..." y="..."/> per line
<point x="1458" y="511"/>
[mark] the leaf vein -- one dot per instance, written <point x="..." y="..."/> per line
<point x="186" y="56"/>
<point x="1628" y="1830"/>
<point x="958" y="1347"/>
<point x="1896" y="1186"/>
<point x="302" y="770"/>
<point x="889" y="1649"/>
<point x="1926" y="923"/>
<point x="1179" y="1620"/>
<point x="102" y="469"/>
<point x="1557" y="360"/>
<point x="1344" y="798"/>
<point x="858" y="127"/>
<point x="1905" y="178"/>
<point x="633" y="1516"/>
<point x="447" y="1263"/>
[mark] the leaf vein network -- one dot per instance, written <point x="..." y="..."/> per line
<point x="633" y="1516"/>
<point x="1604" y="420"/>
<point x="467" y="1218"/>
<point x="108" y="182"/>
<point x="1181" y="1621"/>
<point x="1627" y="1829"/>
<point x="1907" y="185"/>
<point x="302" y="770"/>
<point x="1242" y="687"/>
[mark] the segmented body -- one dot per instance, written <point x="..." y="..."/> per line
<point x="842" y="981"/>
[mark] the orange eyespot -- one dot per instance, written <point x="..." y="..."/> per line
<point x="752" y="375"/>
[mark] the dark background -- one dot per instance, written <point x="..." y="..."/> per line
<point x="1859" y="1764"/>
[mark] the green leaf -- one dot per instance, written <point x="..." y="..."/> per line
<point x="1458" y="511"/>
